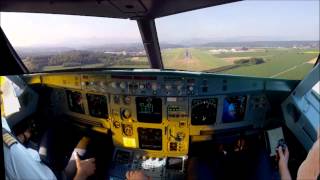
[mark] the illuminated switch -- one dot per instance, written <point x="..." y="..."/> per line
<point x="129" y="142"/>
<point x="154" y="92"/>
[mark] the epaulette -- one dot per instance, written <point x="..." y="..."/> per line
<point x="7" y="138"/>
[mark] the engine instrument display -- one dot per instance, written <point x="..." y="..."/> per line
<point x="97" y="105"/>
<point x="234" y="108"/>
<point x="149" y="109"/>
<point x="75" y="101"/>
<point x="150" y="138"/>
<point x="175" y="163"/>
<point x="204" y="111"/>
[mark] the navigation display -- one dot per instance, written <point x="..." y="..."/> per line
<point x="75" y="102"/>
<point x="150" y="138"/>
<point x="234" y="109"/>
<point x="149" y="109"/>
<point x="204" y="111"/>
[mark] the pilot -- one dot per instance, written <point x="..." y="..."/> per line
<point x="25" y="163"/>
<point x="310" y="167"/>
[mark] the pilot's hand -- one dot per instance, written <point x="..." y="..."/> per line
<point x="136" y="175"/>
<point x="85" y="168"/>
<point x="283" y="156"/>
<point x="25" y="136"/>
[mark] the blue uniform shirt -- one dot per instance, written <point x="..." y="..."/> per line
<point x="23" y="163"/>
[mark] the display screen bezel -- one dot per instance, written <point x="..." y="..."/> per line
<point x="105" y="108"/>
<point x="152" y="143"/>
<point x="226" y="118"/>
<point x="155" y="116"/>
<point x="175" y="166"/>
<point x="213" y="112"/>
<point x="70" y="102"/>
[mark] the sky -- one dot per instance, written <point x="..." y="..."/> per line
<point x="253" y="20"/>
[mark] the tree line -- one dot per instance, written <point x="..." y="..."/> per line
<point x="78" y="58"/>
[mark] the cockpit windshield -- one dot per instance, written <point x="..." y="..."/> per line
<point x="275" y="39"/>
<point x="250" y="38"/>
<point x="47" y="42"/>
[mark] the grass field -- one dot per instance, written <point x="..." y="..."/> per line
<point x="284" y="63"/>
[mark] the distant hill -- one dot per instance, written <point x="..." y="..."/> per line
<point x="257" y="44"/>
<point x="138" y="47"/>
<point x="41" y="51"/>
<point x="130" y="47"/>
<point x="168" y="45"/>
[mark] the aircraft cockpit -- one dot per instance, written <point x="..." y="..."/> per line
<point x="172" y="89"/>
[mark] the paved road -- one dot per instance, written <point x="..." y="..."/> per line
<point x="287" y="70"/>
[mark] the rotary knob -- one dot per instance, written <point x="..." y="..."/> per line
<point x="142" y="86"/>
<point x="180" y="136"/>
<point x="127" y="130"/>
<point x="113" y="84"/>
<point x="116" y="124"/>
<point x="102" y="83"/>
<point x="125" y="114"/>
<point x="123" y="85"/>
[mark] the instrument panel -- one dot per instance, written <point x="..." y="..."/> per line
<point x="160" y="112"/>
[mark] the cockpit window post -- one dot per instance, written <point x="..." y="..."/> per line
<point x="149" y="37"/>
<point x="11" y="63"/>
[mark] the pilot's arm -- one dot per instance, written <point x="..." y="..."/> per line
<point x="25" y="163"/>
<point x="21" y="162"/>
<point x="310" y="167"/>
